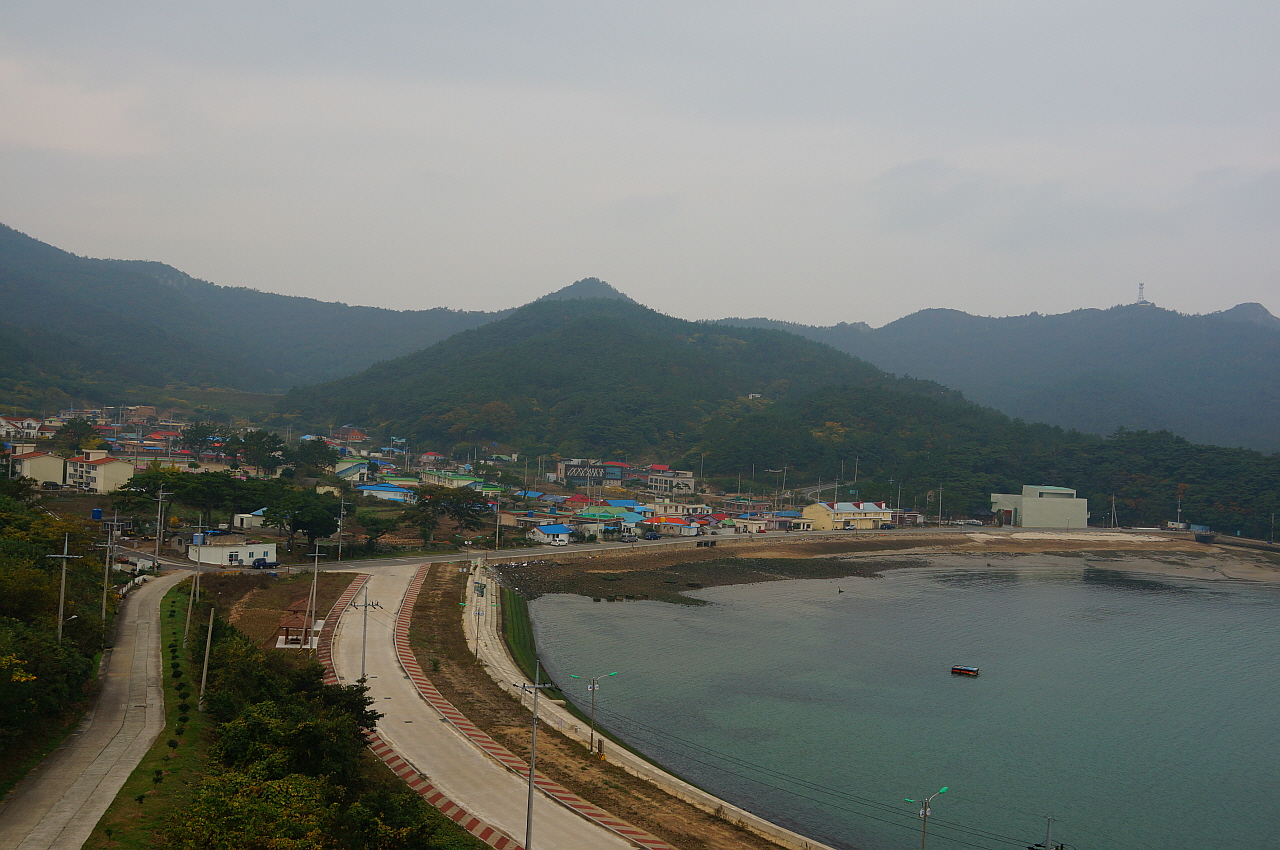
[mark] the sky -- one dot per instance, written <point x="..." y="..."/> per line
<point x="815" y="162"/>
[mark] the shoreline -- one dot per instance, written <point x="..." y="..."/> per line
<point x="625" y="575"/>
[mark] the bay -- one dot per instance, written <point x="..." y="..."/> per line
<point x="1138" y="710"/>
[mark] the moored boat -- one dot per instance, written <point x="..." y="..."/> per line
<point x="961" y="670"/>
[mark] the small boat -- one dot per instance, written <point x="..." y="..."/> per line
<point x="960" y="670"/>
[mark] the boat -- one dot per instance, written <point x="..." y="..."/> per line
<point x="961" y="670"/>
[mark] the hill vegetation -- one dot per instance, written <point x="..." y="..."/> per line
<point x="1210" y="378"/>
<point x="123" y="331"/>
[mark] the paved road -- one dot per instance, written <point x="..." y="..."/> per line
<point x="60" y="802"/>
<point x="417" y="732"/>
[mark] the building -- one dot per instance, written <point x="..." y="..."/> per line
<point x="662" y="480"/>
<point x="253" y="520"/>
<point x="553" y="534"/>
<point x="1041" y="507"/>
<point x="581" y="472"/>
<point x="439" y="478"/>
<point x="42" y="466"/>
<point x="833" y="516"/>
<point x="236" y="552"/>
<point x="20" y="427"/>
<point x="95" y="472"/>
<point x="389" y="492"/>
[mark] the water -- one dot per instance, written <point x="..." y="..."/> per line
<point x="1140" y="711"/>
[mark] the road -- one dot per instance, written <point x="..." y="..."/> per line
<point x="60" y="802"/>
<point x="419" y="734"/>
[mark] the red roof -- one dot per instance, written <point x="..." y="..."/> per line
<point x="32" y="454"/>
<point x="661" y="466"/>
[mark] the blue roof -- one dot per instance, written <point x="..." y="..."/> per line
<point x="622" y="503"/>
<point x="555" y="500"/>
<point x="529" y="494"/>
<point x="631" y="517"/>
<point x="383" y="488"/>
<point x="555" y="529"/>
<point x="788" y="513"/>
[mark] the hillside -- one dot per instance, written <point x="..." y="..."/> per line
<point x="597" y="375"/>
<point x="1210" y="378"/>
<point x="97" y="330"/>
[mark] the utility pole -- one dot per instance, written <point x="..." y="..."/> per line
<point x="593" y="686"/>
<point x="311" y="602"/>
<point x="204" y="674"/>
<point x="342" y="514"/>
<point x="159" y="524"/>
<point x="364" y="635"/>
<point x="62" y="586"/>
<point x="925" y="811"/>
<point x="533" y="748"/>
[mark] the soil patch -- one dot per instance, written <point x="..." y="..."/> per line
<point x="437" y="640"/>
<point x="254" y="604"/>
<point x="667" y="575"/>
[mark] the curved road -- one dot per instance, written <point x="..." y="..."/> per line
<point x="58" y="804"/>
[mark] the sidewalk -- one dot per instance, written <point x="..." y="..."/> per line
<point x="59" y="803"/>
<point x="419" y="734"/>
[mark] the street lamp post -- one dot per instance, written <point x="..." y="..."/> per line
<point x="533" y="748"/>
<point x="925" y="812"/>
<point x="593" y="686"/>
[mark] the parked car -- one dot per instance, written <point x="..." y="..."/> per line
<point x="628" y="538"/>
<point x="652" y="535"/>
<point x="263" y="563"/>
<point x="887" y="526"/>
<point x="558" y="541"/>
<point x="50" y="485"/>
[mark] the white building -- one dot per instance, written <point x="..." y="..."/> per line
<point x="1041" y="507"/>
<point x="227" y="554"/>
<point x="42" y="466"/>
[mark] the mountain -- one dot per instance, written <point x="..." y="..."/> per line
<point x="585" y="376"/>
<point x="93" y="329"/>
<point x="1211" y="378"/>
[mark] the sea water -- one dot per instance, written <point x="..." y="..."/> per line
<point x="1139" y="711"/>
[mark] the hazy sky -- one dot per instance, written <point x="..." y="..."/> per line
<point x="816" y="162"/>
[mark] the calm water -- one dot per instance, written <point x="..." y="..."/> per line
<point x="1141" y="712"/>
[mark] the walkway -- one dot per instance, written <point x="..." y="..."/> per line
<point x="60" y="802"/>
<point x="421" y="735"/>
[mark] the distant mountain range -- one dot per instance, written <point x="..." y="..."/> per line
<point x="102" y="331"/>
<point x="95" y="328"/>
<point x="1211" y="378"/>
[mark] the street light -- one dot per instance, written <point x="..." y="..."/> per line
<point x="593" y="686"/>
<point x="924" y="813"/>
<point x="533" y="748"/>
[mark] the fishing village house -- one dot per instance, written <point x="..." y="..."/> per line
<point x="832" y="516"/>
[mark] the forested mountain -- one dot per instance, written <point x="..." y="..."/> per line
<point x="93" y="328"/>
<point x="1213" y="378"/>
<point x="582" y="376"/>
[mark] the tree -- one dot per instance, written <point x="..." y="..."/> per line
<point x="74" y="435"/>
<point x="375" y="527"/>
<point x="200" y="436"/>
<point x="316" y="454"/>
<point x="464" y="507"/>
<point x="263" y="449"/>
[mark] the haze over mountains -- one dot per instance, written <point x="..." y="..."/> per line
<point x="103" y="331"/>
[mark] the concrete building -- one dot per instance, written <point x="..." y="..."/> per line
<point x="231" y="553"/>
<point x="95" y="472"/>
<point x="1041" y="507"/>
<point x="42" y="466"/>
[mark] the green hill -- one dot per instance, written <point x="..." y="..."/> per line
<point x="1211" y="378"/>
<point x="585" y="376"/>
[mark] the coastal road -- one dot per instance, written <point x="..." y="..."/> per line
<point x="418" y="733"/>
<point x="60" y="802"/>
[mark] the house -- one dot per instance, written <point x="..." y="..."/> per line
<point x="1041" y="507"/>
<point x="676" y="508"/>
<point x="230" y="551"/>
<point x="832" y="516"/>
<point x="673" y="525"/>
<point x="20" y="427"/>
<point x="253" y="520"/>
<point x="95" y="472"/>
<point x="42" y="466"/>
<point x="389" y="492"/>
<point x="349" y="434"/>
<point x="551" y="533"/>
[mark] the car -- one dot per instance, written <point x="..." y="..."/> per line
<point x="652" y="535"/>
<point x="50" y="485"/>
<point x="628" y="538"/>
<point x="558" y="542"/>
<point x="887" y="526"/>
<point x="263" y="563"/>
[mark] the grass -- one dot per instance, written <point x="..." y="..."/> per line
<point x="23" y="755"/>
<point x="131" y="823"/>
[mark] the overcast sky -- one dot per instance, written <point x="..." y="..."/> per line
<point x="815" y="162"/>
